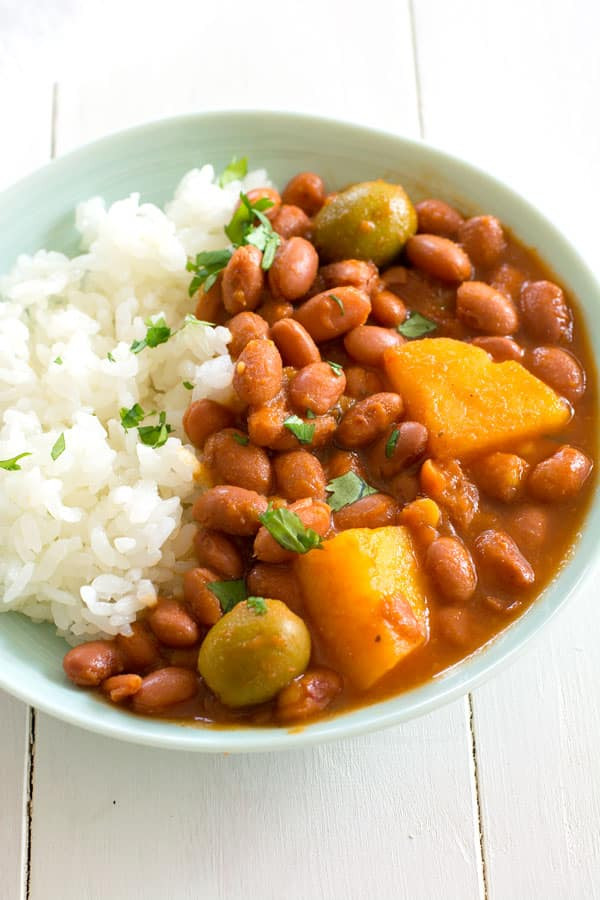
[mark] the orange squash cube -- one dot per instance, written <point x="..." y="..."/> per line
<point x="365" y="593"/>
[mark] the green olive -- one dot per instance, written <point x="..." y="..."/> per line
<point x="251" y="653"/>
<point x="371" y="220"/>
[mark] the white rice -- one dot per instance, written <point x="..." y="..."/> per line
<point x="89" y="537"/>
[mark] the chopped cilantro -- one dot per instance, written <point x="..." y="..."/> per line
<point x="228" y="593"/>
<point x="347" y="489"/>
<point x="300" y="429"/>
<point x="59" y="447"/>
<point x="241" y="439"/>
<point x="207" y="267"/>
<point x="390" y="444"/>
<point x="288" y="530"/>
<point x="416" y="325"/>
<point x="155" y="435"/>
<point x="110" y="357"/>
<point x="157" y="333"/>
<point x="131" y="418"/>
<point x="236" y="170"/>
<point x="58" y="361"/>
<point x="257" y="604"/>
<point x="337" y="368"/>
<point x="12" y="464"/>
<point x="339" y="302"/>
<point x="188" y="385"/>
<point x="310" y="414"/>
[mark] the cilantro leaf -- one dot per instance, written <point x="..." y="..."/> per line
<point x="390" y="444"/>
<point x="155" y="435"/>
<point x="416" y="325"/>
<point x="287" y="529"/>
<point x="242" y="230"/>
<point x="110" y="357"/>
<point x="207" y="267"/>
<point x="188" y="385"/>
<point x="130" y="418"/>
<point x="59" y="447"/>
<point x="241" y="439"/>
<point x="257" y="604"/>
<point x="235" y="171"/>
<point x="310" y="414"/>
<point x="337" y="368"/>
<point x="228" y="593"/>
<point x="58" y="361"/>
<point x="347" y="489"/>
<point x="157" y="333"/>
<point x="270" y="250"/>
<point x="301" y="430"/>
<point x="12" y="465"/>
<point x="339" y="302"/>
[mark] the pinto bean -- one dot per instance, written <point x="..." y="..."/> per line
<point x="204" y="417"/>
<point x="140" y="650"/>
<point x="530" y="526"/>
<point x="445" y="482"/>
<point x="455" y="625"/>
<point x="501" y="475"/>
<point x="325" y="318"/>
<point x="350" y="273"/>
<point x="439" y="257"/>
<point x="245" y="327"/>
<point x="502" y="561"/>
<point x="216" y="551"/>
<point x="308" y="695"/>
<point x="500" y="348"/>
<point x="276" y="582"/>
<point x="342" y="461"/>
<point x="387" y="308"/>
<point x="293" y="269"/>
<point x="121" y="687"/>
<point x="243" y="280"/>
<point x="368" y="418"/>
<point x="305" y="190"/>
<point x="294" y="343"/>
<point x="400" y="446"/>
<point x="508" y="279"/>
<point x="233" y="462"/>
<point x="209" y="305"/>
<point x="367" y="343"/>
<point x="173" y="625"/>
<point x="290" y="221"/>
<point x="204" y="605"/>
<point x="373" y="511"/>
<point x="451" y="568"/>
<point x="299" y="474"/>
<point x="272" y="310"/>
<point x="394" y="277"/>
<point x="561" y="476"/>
<point x="164" y="688"/>
<point x="483" y="239"/>
<point x="93" y="662"/>
<point x="233" y="510"/>
<point x="317" y="387"/>
<point x="258" y="373"/>
<point x="436" y="217"/>
<point x="482" y="308"/>
<point x="312" y="513"/>
<point x="268" y="193"/>
<point x="559" y="369"/>
<point x="361" y="383"/>
<point x="266" y="427"/>
<point x="544" y="312"/>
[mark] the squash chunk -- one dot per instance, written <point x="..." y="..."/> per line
<point x="365" y="594"/>
<point x="469" y="403"/>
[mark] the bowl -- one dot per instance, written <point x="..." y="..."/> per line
<point x="38" y="212"/>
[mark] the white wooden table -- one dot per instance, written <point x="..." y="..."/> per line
<point x="493" y="796"/>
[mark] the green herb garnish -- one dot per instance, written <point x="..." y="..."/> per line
<point x="131" y="418"/>
<point x="12" y="465"/>
<point x="158" y="333"/>
<point x="188" y="385"/>
<point x="310" y="414"/>
<point x="287" y="529"/>
<point x="235" y="171"/>
<point x="257" y="604"/>
<point x="59" y="446"/>
<point x="206" y="269"/>
<point x="228" y="593"/>
<point x="347" y="489"/>
<point x="339" y="302"/>
<point x="241" y="439"/>
<point x="390" y="444"/>
<point x="337" y="368"/>
<point x="300" y="429"/>
<point x="155" y="435"/>
<point x="58" y="361"/>
<point x="110" y="357"/>
<point x="416" y="325"/>
<point x="243" y="218"/>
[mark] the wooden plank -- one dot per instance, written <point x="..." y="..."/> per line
<point x="387" y="815"/>
<point x="517" y="94"/>
<point x="14" y="784"/>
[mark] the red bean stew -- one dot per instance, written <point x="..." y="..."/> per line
<point x="406" y="467"/>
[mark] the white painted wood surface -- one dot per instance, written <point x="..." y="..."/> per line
<point x="516" y="88"/>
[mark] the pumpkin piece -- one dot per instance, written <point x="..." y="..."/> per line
<point x="365" y="593"/>
<point x="469" y="403"/>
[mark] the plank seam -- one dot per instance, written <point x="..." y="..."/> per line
<point x="475" y="771"/>
<point x="29" y="808"/>
<point x="413" y="35"/>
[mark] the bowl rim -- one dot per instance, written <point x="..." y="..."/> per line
<point x="577" y="569"/>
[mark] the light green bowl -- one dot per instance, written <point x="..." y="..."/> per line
<point x="38" y="212"/>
